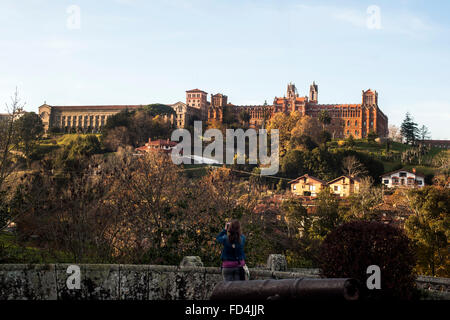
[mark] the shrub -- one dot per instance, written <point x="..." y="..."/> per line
<point x="372" y="136"/>
<point x="351" y="248"/>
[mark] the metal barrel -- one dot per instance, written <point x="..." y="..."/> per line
<point x="288" y="289"/>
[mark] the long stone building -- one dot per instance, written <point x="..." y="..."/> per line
<point x="82" y="118"/>
<point x="357" y="120"/>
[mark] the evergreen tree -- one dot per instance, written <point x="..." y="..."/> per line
<point x="409" y="129"/>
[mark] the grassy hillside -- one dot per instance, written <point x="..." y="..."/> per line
<point x="391" y="159"/>
<point x="12" y="251"/>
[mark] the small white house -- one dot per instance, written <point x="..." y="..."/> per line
<point x="403" y="178"/>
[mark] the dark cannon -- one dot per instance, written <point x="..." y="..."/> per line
<point x="288" y="289"/>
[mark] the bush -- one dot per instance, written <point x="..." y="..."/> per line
<point x="351" y="248"/>
<point x="371" y="136"/>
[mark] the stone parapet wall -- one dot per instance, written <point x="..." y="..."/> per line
<point x="116" y="282"/>
<point x="140" y="282"/>
<point x="437" y="287"/>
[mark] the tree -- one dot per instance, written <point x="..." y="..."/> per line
<point x="409" y="129"/>
<point x="306" y="126"/>
<point x="327" y="217"/>
<point x="372" y="136"/>
<point x="429" y="227"/>
<point x="244" y="117"/>
<point x="284" y="123"/>
<point x="29" y="130"/>
<point x="303" y="142"/>
<point x="349" y="249"/>
<point x="352" y="167"/>
<point x="321" y="163"/>
<point x="298" y="221"/>
<point x="350" y="141"/>
<point x="394" y="134"/>
<point x="292" y="164"/>
<point x="159" y="109"/>
<point x="324" y="137"/>
<point x="424" y="133"/>
<point x="136" y="127"/>
<point x="442" y="162"/>
<point x="324" y="118"/>
<point x="300" y="240"/>
<point x="8" y="142"/>
<point x="363" y="204"/>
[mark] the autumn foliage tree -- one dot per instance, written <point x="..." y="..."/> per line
<point x="429" y="228"/>
<point x="128" y="209"/>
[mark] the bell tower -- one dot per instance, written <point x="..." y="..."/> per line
<point x="370" y="97"/>
<point x="313" y="92"/>
<point x="291" y="91"/>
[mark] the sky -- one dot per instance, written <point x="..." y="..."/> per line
<point x="83" y="52"/>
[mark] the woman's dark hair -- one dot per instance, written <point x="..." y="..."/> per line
<point x="234" y="232"/>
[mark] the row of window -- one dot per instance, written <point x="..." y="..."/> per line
<point x="194" y="95"/>
<point x="74" y="124"/>
<point x="74" y="118"/>
<point x="396" y="181"/>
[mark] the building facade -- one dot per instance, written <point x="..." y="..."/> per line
<point x="344" y="186"/>
<point x="159" y="145"/>
<point x="198" y="99"/>
<point x="403" y="178"/>
<point x="442" y="144"/>
<point x="83" y="118"/>
<point x="307" y="185"/>
<point x="185" y="114"/>
<point x="357" y="120"/>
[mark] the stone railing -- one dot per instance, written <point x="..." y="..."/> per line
<point x="116" y="282"/>
<point x="438" y="288"/>
<point x="190" y="281"/>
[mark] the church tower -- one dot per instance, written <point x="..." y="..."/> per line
<point x="313" y="92"/>
<point x="291" y="91"/>
<point x="370" y="97"/>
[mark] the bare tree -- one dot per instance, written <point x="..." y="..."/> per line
<point x="363" y="205"/>
<point x="352" y="167"/>
<point x="424" y="133"/>
<point x="7" y="137"/>
<point x="395" y="134"/>
<point x="442" y="162"/>
<point x="8" y="143"/>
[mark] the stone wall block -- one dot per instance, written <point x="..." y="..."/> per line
<point x="276" y="262"/>
<point x="27" y="282"/>
<point x="134" y="284"/>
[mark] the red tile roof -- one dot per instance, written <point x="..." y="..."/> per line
<point x="344" y="176"/>
<point x="196" y="90"/>
<point x="391" y="172"/>
<point x="309" y="177"/>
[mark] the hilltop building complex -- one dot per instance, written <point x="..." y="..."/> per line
<point x="356" y="120"/>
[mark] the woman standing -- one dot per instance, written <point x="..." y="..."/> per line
<point x="233" y="256"/>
